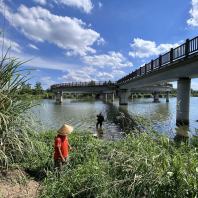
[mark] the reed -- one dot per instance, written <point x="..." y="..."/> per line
<point x="14" y="122"/>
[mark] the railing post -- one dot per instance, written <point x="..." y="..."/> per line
<point x="171" y="55"/>
<point x="145" y="69"/>
<point x="187" y="47"/>
<point x="140" y="71"/>
<point x="160" y="60"/>
<point x="151" y="64"/>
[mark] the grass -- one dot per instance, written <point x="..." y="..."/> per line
<point x="139" y="165"/>
<point x="14" y="124"/>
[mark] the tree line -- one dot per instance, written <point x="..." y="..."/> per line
<point x="37" y="89"/>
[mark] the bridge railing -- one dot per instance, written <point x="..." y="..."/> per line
<point x="84" y="84"/>
<point x="193" y="45"/>
<point x="188" y="48"/>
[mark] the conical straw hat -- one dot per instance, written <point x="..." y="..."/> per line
<point x="65" y="130"/>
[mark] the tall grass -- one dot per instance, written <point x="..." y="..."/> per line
<point x="140" y="165"/>
<point x="14" y="123"/>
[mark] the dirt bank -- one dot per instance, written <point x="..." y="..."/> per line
<point x="16" y="184"/>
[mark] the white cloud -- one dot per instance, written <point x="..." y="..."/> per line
<point x="86" y="74"/>
<point x="101" y="41"/>
<point x="100" y="4"/>
<point x="42" y="2"/>
<point x="7" y="44"/>
<point x="113" y="76"/>
<point x="194" y="84"/>
<point x="41" y="25"/>
<point x="104" y="75"/>
<point x="47" y="81"/>
<point x="41" y="62"/>
<point x="73" y="72"/>
<point x="115" y="60"/>
<point x="85" y="5"/>
<point x="144" y="49"/>
<point x="33" y="46"/>
<point x="193" y="21"/>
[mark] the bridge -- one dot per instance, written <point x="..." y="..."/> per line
<point x="179" y="64"/>
<point x="106" y="90"/>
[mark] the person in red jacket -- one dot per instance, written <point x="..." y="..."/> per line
<point x="62" y="146"/>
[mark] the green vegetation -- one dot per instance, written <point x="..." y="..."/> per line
<point x="80" y="97"/>
<point x="139" y="165"/>
<point x="14" y="126"/>
<point x="173" y="93"/>
<point x="194" y="93"/>
<point x="36" y="92"/>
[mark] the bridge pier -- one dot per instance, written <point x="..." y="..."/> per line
<point x="112" y="97"/>
<point x="123" y="96"/>
<point x="59" y="97"/>
<point x="183" y="101"/>
<point x="105" y="97"/>
<point x="167" y="96"/>
<point x="101" y="96"/>
<point x="156" y="97"/>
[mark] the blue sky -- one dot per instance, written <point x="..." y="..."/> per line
<point x="83" y="40"/>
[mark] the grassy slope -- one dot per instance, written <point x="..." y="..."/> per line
<point x="133" y="167"/>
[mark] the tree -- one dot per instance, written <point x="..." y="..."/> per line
<point x="91" y="83"/>
<point x="38" y="88"/>
<point x="26" y="88"/>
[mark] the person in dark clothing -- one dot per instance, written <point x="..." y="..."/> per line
<point x="100" y="120"/>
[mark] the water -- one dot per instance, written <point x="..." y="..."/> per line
<point x="82" y="115"/>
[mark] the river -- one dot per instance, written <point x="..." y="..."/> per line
<point x="82" y="115"/>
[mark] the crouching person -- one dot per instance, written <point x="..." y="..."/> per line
<point x="62" y="147"/>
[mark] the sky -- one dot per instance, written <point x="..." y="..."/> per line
<point x="83" y="40"/>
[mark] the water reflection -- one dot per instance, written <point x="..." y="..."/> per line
<point x="100" y="133"/>
<point x="182" y="134"/>
<point x="82" y="115"/>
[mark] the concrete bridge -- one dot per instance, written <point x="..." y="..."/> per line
<point x="105" y="89"/>
<point x="108" y="90"/>
<point x="179" y="64"/>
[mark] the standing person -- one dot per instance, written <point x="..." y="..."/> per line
<point x="62" y="146"/>
<point x="100" y="120"/>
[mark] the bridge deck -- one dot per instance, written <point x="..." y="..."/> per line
<point x="176" y="56"/>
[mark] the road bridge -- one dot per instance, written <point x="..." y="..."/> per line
<point x="179" y="64"/>
<point x="106" y="90"/>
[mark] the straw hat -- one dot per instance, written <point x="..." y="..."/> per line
<point x="65" y="130"/>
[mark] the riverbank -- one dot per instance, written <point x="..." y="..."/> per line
<point x="17" y="184"/>
<point x="139" y="165"/>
